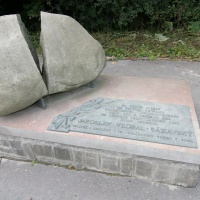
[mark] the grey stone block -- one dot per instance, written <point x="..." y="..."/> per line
<point x="109" y="164"/>
<point x="185" y="175"/>
<point x="127" y="166"/>
<point x="42" y="150"/>
<point x="62" y="153"/>
<point x="144" y="168"/>
<point x="15" y="144"/>
<point x="164" y="171"/>
<point x="27" y="148"/>
<point x="161" y="172"/>
<point x="5" y="150"/>
<point x="78" y="157"/>
<point x="92" y="161"/>
<point x="19" y="152"/>
<point x="4" y="142"/>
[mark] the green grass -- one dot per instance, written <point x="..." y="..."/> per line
<point x="34" y="162"/>
<point x="180" y="45"/>
<point x="35" y="39"/>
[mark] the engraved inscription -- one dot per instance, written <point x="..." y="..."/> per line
<point x="145" y="121"/>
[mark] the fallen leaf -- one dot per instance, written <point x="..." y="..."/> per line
<point x="161" y="37"/>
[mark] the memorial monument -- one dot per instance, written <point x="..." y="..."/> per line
<point x="72" y="58"/>
<point x="132" y="126"/>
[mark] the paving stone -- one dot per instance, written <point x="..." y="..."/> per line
<point x="42" y="150"/>
<point x="144" y="168"/>
<point x="127" y="166"/>
<point x="5" y="150"/>
<point x="15" y="144"/>
<point x="4" y="142"/>
<point x="109" y="164"/>
<point x="62" y="153"/>
<point x="79" y="158"/>
<point x="92" y="161"/>
<point x="185" y="175"/>
<point x="162" y="172"/>
<point x="19" y="152"/>
<point x="27" y="148"/>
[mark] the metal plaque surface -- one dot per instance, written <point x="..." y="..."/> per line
<point x="136" y="120"/>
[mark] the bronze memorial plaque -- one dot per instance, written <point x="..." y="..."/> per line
<point x="152" y="122"/>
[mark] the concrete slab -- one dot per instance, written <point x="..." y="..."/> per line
<point x="32" y="122"/>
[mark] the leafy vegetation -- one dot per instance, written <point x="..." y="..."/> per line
<point x="106" y="15"/>
<point x="178" y="44"/>
<point x="172" y="27"/>
<point x="34" y="162"/>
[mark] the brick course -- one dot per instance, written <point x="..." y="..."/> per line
<point x="100" y="160"/>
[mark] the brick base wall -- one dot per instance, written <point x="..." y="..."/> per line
<point x="158" y="170"/>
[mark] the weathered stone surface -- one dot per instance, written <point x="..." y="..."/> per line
<point x="92" y="161"/>
<point x="109" y="163"/>
<point x="72" y="57"/>
<point x="62" y="153"/>
<point x="127" y="166"/>
<point x="42" y="150"/>
<point x="144" y="168"/>
<point x="20" y="81"/>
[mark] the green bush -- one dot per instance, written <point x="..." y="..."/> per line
<point x="105" y="15"/>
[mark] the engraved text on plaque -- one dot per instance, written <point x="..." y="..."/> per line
<point x="145" y="121"/>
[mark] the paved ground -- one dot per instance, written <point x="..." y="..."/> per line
<point x="189" y="71"/>
<point x="22" y="181"/>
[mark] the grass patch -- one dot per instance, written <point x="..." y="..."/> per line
<point x="35" y="39"/>
<point x="176" y="45"/>
<point x="34" y="162"/>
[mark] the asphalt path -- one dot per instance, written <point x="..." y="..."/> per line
<point x="24" y="181"/>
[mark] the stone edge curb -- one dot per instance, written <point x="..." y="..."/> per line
<point x="164" y="171"/>
<point x="107" y="145"/>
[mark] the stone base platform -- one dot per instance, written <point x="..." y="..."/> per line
<point x="24" y="135"/>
